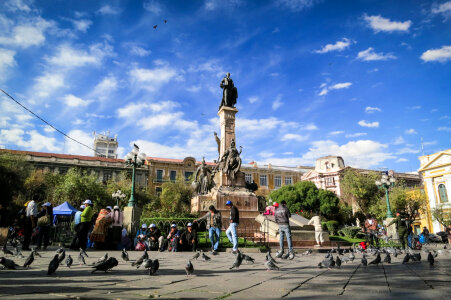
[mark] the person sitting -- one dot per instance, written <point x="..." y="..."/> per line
<point x="173" y="238"/>
<point x="155" y="240"/>
<point x="188" y="240"/>
<point x="141" y="235"/>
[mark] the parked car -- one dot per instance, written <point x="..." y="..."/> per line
<point x="444" y="236"/>
<point x="434" y="238"/>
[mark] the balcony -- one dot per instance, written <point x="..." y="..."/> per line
<point x="159" y="180"/>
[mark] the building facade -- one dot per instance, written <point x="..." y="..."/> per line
<point x="105" y="145"/>
<point x="436" y="172"/>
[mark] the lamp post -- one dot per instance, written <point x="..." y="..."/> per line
<point x="134" y="159"/>
<point x="118" y="195"/>
<point x="386" y="182"/>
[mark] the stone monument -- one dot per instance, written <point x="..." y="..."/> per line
<point x="227" y="182"/>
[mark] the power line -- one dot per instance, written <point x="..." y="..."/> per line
<point x="59" y="131"/>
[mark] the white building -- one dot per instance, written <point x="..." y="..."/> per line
<point x="105" y="145"/>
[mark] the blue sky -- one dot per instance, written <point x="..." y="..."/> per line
<point x="362" y="79"/>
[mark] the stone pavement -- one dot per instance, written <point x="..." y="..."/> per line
<point x="300" y="278"/>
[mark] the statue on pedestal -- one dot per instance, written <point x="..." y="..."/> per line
<point x="203" y="181"/>
<point x="230" y="162"/>
<point x="229" y="93"/>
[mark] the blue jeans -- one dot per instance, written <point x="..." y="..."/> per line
<point x="285" y="230"/>
<point x="232" y="236"/>
<point x="214" y="234"/>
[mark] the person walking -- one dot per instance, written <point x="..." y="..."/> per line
<point x="234" y="222"/>
<point x="85" y="224"/>
<point x="214" y="225"/>
<point x="401" y="227"/>
<point x="371" y="230"/>
<point x="75" y="245"/>
<point x="31" y="214"/>
<point x="45" y="217"/>
<point x="282" y="216"/>
<point x="316" y="222"/>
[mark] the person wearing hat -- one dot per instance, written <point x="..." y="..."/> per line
<point x="45" y="217"/>
<point x="282" y="216"/>
<point x="188" y="240"/>
<point x="74" y="245"/>
<point x="115" y="230"/>
<point x="155" y="240"/>
<point x="173" y="238"/>
<point x="85" y="224"/>
<point x="234" y="221"/>
<point x="141" y="235"/>
<point x="31" y="213"/>
<point x="214" y="225"/>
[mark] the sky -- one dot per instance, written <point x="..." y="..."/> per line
<point x="367" y="80"/>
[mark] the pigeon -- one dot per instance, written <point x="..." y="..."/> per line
<point x="434" y="253"/>
<point x="6" y="251"/>
<point x="8" y="263"/>
<point x="271" y="266"/>
<point x="17" y="252"/>
<point x="248" y="258"/>
<point x="35" y="252"/>
<point x="416" y="257"/>
<point x="327" y="263"/>
<point x="29" y="260"/>
<point x="270" y="258"/>
<point x="124" y="255"/>
<point x="59" y="250"/>
<point x="83" y="252"/>
<point x="238" y="261"/>
<point x="105" y="265"/>
<point x="189" y="268"/>
<point x="345" y="259"/>
<point x="406" y="259"/>
<point x="165" y="21"/>
<point x="308" y="252"/>
<point x="352" y="256"/>
<point x="154" y="267"/>
<point x="155" y="26"/>
<point x="377" y="260"/>
<point x="285" y="256"/>
<point x="387" y="258"/>
<point x="327" y="254"/>
<point x="291" y="256"/>
<point x="53" y="265"/>
<point x="196" y="256"/>
<point x="205" y="257"/>
<point x="61" y="256"/>
<point x="140" y="260"/>
<point x="81" y="259"/>
<point x="430" y="259"/>
<point x="364" y="261"/>
<point x="338" y="262"/>
<point x="102" y="259"/>
<point x="145" y="264"/>
<point x="69" y="261"/>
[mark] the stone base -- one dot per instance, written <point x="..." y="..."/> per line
<point x="391" y="230"/>
<point x="132" y="216"/>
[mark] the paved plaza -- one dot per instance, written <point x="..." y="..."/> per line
<point x="300" y="278"/>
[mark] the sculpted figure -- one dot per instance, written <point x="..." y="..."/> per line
<point x="231" y="161"/>
<point x="203" y="179"/>
<point x="229" y="93"/>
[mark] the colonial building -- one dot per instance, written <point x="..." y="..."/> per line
<point x="436" y="172"/>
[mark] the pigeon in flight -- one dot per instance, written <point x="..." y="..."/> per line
<point x="238" y="261"/>
<point x="165" y="21"/>
<point x="106" y="265"/>
<point x="196" y="256"/>
<point x="430" y="259"/>
<point x="29" y="260"/>
<point x="69" y="261"/>
<point x="155" y="26"/>
<point x="124" y="255"/>
<point x="377" y="260"/>
<point x="248" y="258"/>
<point x="271" y="266"/>
<point x="8" y="263"/>
<point x="53" y="265"/>
<point x="189" y="268"/>
<point x="154" y="267"/>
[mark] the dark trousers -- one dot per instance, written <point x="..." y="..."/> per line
<point x="44" y="234"/>
<point x="74" y="245"/>
<point x="403" y="237"/>
<point x="189" y="246"/>
<point x="372" y="238"/>
<point x="28" y="230"/>
<point x="83" y="234"/>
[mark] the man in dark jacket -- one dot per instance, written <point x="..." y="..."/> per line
<point x="283" y="215"/>
<point x="188" y="240"/>
<point x="154" y="238"/>
<point x="401" y="226"/>
<point x="214" y="225"/>
<point x="234" y="221"/>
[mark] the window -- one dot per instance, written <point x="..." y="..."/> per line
<point x="442" y="193"/>
<point x="111" y="151"/>
<point x="106" y="176"/>
<point x="263" y="180"/>
<point x="248" y="177"/>
<point x="159" y="175"/>
<point x="158" y="191"/>
<point x="173" y="176"/>
<point x="329" y="181"/>
<point x="288" y="180"/>
<point x="277" y="181"/>
<point x="188" y="175"/>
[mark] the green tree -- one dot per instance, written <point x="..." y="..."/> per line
<point x="441" y="216"/>
<point x="14" y="169"/>
<point x="41" y="183"/>
<point x="360" y="188"/>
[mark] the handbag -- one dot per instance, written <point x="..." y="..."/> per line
<point x="44" y="220"/>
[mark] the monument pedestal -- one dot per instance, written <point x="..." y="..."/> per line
<point x="391" y="230"/>
<point x="132" y="217"/>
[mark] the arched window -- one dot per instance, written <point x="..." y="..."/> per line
<point x="442" y="193"/>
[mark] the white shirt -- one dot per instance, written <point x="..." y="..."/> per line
<point x="316" y="221"/>
<point x="32" y="209"/>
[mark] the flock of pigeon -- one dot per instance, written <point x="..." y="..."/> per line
<point x="106" y="263"/>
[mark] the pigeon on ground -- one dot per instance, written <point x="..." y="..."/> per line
<point x="196" y="256"/>
<point x="81" y="259"/>
<point x="59" y="250"/>
<point x="145" y="264"/>
<point x="83" y="252"/>
<point x="308" y="252"/>
<point x="103" y="258"/>
<point x="387" y="258"/>
<point x="61" y="256"/>
<point x="6" y="251"/>
<point x="271" y="266"/>
<point x="327" y="263"/>
<point x="29" y="260"/>
<point x="406" y="259"/>
<point x="35" y="252"/>
<point x="124" y="255"/>
<point x="338" y="262"/>
<point x="434" y="253"/>
<point x="291" y="256"/>
<point x="106" y="265"/>
<point x="327" y="254"/>
<point x="205" y="257"/>
<point x="345" y="259"/>
<point x="238" y="261"/>
<point x="248" y="258"/>
<point x="189" y="268"/>
<point x="285" y="256"/>
<point x="69" y="261"/>
<point x="140" y="260"/>
<point x="270" y="258"/>
<point x="364" y="260"/>
<point x="416" y="257"/>
<point x="17" y="252"/>
<point x="377" y="260"/>
<point x="430" y="259"/>
<point x="8" y="263"/>
<point x="53" y="265"/>
<point x="154" y="267"/>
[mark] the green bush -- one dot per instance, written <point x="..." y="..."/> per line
<point x="332" y="226"/>
<point x="350" y="232"/>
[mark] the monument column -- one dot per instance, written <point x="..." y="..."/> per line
<point x="227" y="121"/>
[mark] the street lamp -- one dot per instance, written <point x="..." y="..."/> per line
<point x="136" y="160"/>
<point x="386" y="182"/>
<point x="118" y="195"/>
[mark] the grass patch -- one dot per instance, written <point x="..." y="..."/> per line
<point x="337" y="238"/>
<point x="224" y="241"/>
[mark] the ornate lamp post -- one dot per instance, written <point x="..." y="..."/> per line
<point x="386" y="182"/>
<point x="134" y="159"/>
<point x="118" y="195"/>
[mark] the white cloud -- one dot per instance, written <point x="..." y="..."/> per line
<point x="27" y="34"/>
<point x="74" y="101"/>
<point x="221" y="4"/>
<point x="69" y="57"/>
<point x="364" y="123"/>
<point x="370" y="55"/>
<point x="309" y="126"/>
<point x="266" y="154"/>
<point x="338" y="132"/>
<point x="139" y="51"/>
<point x="378" y="23"/>
<point x="338" y="86"/>
<point x="399" y="140"/>
<point x="48" y="83"/>
<point x="194" y="88"/>
<point x="443" y="8"/>
<point x="357" y="134"/>
<point x="444" y="128"/>
<point x="153" y="79"/>
<point x="277" y="103"/>
<point x="297" y="5"/>
<point x="167" y="120"/>
<point x="153" y="6"/>
<point x="132" y="110"/>
<point x="338" y="46"/>
<point x="441" y="55"/>
<point x="72" y="147"/>
<point x="108" y="10"/>
<point x="6" y="61"/>
<point x="416" y="107"/>
<point x="370" y="110"/>
<point x="410" y="131"/>
<point x="17" y="5"/>
<point x="402" y="160"/>
<point x="294" y="137"/>
<point x="253" y="99"/>
<point x="34" y="142"/>
<point x="47" y="128"/>
<point x="82" y="25"/>
<point x="105" y="88"/>
<point x="408" y="150"/>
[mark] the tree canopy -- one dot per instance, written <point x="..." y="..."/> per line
<point x="360" y="189"/>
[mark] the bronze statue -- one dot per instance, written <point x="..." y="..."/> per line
<point x="229" y="93"/>
<point x="203" y="181"/>
<point x="230" y="162"/>
<point x="218" y="141"/>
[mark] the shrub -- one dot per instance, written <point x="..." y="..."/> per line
<point x="332" y="226"/>
<point x="350" y="231"/>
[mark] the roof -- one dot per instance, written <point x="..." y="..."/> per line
<point x="176" y="160"/>
<point x="64" y="156"/>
